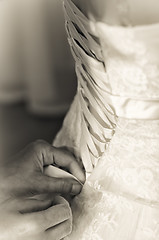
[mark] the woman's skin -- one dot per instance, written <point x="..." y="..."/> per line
<point x="140" y="12"/>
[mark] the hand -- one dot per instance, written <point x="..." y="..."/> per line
<point x="52" y="219"/>
<point x="23" y="176"/>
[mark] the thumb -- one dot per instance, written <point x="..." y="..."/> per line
<point x="48" y="184"/>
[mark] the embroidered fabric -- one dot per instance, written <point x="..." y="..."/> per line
<point x="119" y="149"/>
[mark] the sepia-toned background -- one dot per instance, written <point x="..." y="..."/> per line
<point x="37" y="79"/>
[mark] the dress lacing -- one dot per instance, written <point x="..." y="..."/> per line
<point x="98" y="118"/>
<point x="120" y="198"/>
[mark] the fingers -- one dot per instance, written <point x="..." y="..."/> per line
<point x="60" y="231"/>
<point x="65" y="159"/>
<point x="63" y="229"/>
<point x="50" y="217"/>
<point x="28" y="205"/>
<point x="55" y="185"/>
<point x="60" y="200"/>
<point x="59" y="156"/>
<point x="33" y="205"/>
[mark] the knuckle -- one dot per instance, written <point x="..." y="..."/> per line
<point x="40" y="142"/>
<point x="36" y="145"/>
<point x="65" y="186"/>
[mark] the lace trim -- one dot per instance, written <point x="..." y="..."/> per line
<point x="98" y="214"/>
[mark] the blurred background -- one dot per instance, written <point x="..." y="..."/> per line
<point x="37" y="79"/>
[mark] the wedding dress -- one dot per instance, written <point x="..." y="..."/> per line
<point x="113" y="128"/>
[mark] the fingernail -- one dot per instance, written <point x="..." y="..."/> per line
<point x="76" y="188"/>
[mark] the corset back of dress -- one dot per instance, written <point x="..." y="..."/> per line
<point x="97" y="117"/>
<point x="113" y="127"/>
<point x="117" y="69"/>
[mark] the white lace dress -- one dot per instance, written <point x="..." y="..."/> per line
<point x="113" y="127"/>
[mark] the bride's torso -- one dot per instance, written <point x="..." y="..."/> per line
<point x="118" y="83"/>
<point x="113" y="123"/>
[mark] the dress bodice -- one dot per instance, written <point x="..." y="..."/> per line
<point x="117" y="69"/>
<point x="113" y="127"/>
<point x="131" y="59"/>
<point x="132" y="66"/>
<point x="125" y="60"/>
